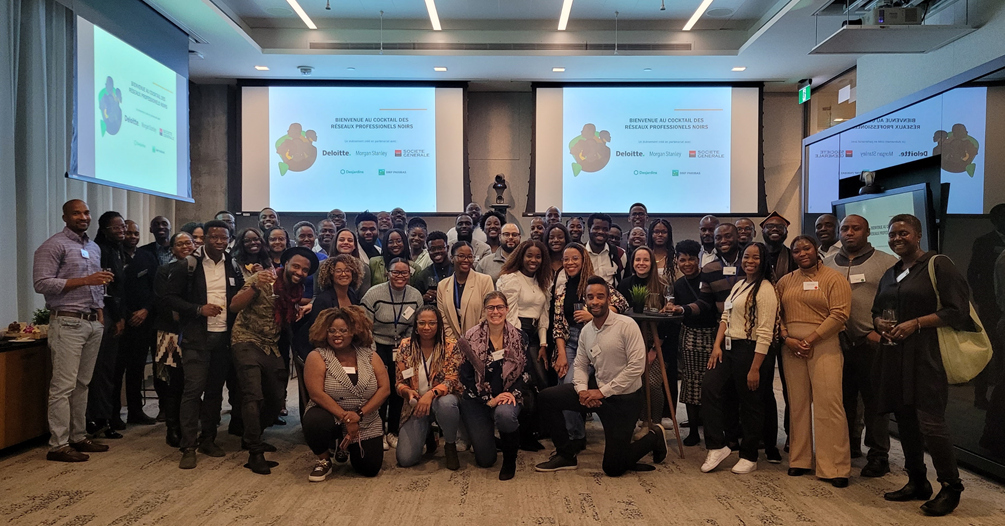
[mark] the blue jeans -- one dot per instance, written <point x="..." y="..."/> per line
<point x="481" y="420"/>
<point x="574" y="422"/>
<point x="412" y="434"/>
<point x="73" y="344"/>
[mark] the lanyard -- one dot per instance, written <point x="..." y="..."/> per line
<point x="741" y="291"/>
<point x="691" y="287"/>
<point x="425" y="366"/>
<point x="733" y="264"/>
<point x="401" y="307"/>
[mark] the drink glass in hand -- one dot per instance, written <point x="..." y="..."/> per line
<point x="579" y="306"/>
<point x="889" y="322"/>
<point x="105" y="286"/>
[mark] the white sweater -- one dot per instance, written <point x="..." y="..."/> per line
<point x="526" y="300"/>
<point x="764" y="323"/>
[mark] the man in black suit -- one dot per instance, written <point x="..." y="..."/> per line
<point x="137" y="311"/>
<point x="160" y="247"/>
<point x="200" y="288"/>
<point x="980" y="274"/>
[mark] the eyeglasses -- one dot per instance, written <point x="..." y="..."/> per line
<point x="495" y="308"/>
<point x="183" y="243"/>
<point x="774" y="226"/>
<point x="341" y="271"/>
<point x="468" y="257"/>
<point x="338" y="332"/>
<point x="399" y="273"/>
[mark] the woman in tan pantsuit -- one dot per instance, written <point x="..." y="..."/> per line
<point x="460" y="296"/>
<point x="815" y="303"/>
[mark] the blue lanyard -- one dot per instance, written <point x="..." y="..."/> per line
<point x="397" y="315"/>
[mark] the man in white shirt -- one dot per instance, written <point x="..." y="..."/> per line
<point x="606" y="264"/>
<point x="706" y="234"/>
<point x="612" y="345"/>
<point x="826" y="227"/>
<point x="474" y="211"/>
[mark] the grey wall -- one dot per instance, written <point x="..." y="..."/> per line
<point x="209" y="118"/>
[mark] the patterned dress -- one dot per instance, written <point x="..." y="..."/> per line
<point x="352" y="397"/>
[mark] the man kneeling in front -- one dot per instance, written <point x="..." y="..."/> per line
<point x="612" y="345"/>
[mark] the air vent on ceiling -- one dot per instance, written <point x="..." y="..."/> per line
<point x="461" y="46"/>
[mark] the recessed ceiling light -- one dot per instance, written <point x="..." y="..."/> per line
<point x="262" y="68"/>
<point x="301" y="13"/>
<point x="434" y="18"/>
<point x="697" y="14"/>
<point x="558" y="70"/>
<point x="350" y="68"/>
<point x="740" y="68"/>
<point x="563" y="19"/>
<point x="647" y="69"/>
<point x="440" y="68"/>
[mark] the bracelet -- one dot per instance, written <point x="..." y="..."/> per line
<point x="919" y="323"/>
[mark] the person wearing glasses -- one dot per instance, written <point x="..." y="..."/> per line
<point x="347" y="383"/>
<point x="391" y="307"/>
<point x="395" y="246"/>
<point x="744" y="230"/>
<point x="459" y="297"/>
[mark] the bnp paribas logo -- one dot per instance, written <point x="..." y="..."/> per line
<point x="675" y="173"/>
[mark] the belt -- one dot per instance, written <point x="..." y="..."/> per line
<point x="89" y="316"/>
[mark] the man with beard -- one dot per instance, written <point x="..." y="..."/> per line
<point x="744" y="231"/>
<point x="160" y="247"/>
<point x="138" y="338"/>
<point x="863" y="266"/>
<point x="366" y="233"/>
<point x="326" y="234"/>
<point x="510" y="238"/>
<point x="267" y="220"/>
<point x="266" y="305"/>
<point x="474" y="211"/>
<point x="775" y="230"/>
<point x="638" y="215"/>
<point x="464" y="227"/>
<point x="101" y="397"/>
<point x="608" y="262"/>
<point x="552" y="216"/>
<point x="304" y="236"/>
<point x="338" y="217"/>
<point x="706" y="234"/>
<point x="537" y="229"/>
<point x="199" y="289"/>
<point x="417" y="242"/>
<point x="826" y="230"/>
<point x="399" y="219"/>
<point x="439" y="269"/>
<point x="384" y="224"/>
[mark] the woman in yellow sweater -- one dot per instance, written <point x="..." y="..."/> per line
<point x="815" y="302"/>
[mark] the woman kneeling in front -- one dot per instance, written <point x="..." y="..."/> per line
<point x="494" y="380"/>
<point x="347" y="383"/>
<point x="427" y="379"/>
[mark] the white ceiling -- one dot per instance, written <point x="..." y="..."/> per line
<point x="771" y="38"/>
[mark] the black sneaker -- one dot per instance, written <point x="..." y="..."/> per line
<point x="210" y="449"/>
<point x="557" y="463"/>
<point x="876" y="468"/>
<point x="774" y="456"/>
<point x="341" y="456"/>
<point x="660" y="447"/>
<point x="321" y="470"/>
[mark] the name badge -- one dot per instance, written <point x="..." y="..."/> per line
<point x="407" y="373"/>
<point x="595" y="351"/>
<point x="407" y="313"/>
<point x="857" y="278"/>
<point x="728" y="271"/>
<point x="728" y="305"/>
<point x="811" y="285"/>
<point x="729" y="343"/>
<point x="349" y="370"/>
<point x="84" y="254"/>
<point x="903" y="275"/>
<point x="498" y="355"/>
<point x="233" y="283"/>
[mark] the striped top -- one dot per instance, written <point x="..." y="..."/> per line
<point x="391" y="311"/>
<point x="821" y="296"/>
<point x="348" y="396"/>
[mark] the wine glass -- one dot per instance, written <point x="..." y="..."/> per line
<point x="889" y="322"/>
<point x="668" y="294"/>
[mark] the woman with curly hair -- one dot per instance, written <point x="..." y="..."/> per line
<point x="426" y="376"/>
<point x="344" y="367"/>
<point x="746" y="330"/>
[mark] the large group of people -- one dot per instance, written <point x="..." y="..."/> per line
<point x="491" y="340"/>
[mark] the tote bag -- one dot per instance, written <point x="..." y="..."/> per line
<point x="964" y="353"/>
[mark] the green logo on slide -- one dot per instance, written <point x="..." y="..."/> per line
<point x="296" y="149"/>
<point x="676" y="173"/>
<point x="380" y="171"/>
<point x="589" y="150"/>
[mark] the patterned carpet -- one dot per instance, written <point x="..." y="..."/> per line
<point x="138" y="483"/>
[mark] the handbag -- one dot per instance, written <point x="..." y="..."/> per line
<point x="964" y="353"/>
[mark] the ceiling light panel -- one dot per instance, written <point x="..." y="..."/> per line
<point x="563" y="19"/>
<point x="434" y="18"/>
<point x="301" y="13"/>
<point x="697" y="14"/>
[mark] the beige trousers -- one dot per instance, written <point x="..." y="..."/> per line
<point x="815" y="406"/>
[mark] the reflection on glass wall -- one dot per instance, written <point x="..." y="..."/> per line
<point x="833" y="103"/>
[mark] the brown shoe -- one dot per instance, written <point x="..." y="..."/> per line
<point x="87" y="446"/>
<point x="66" y="454"/>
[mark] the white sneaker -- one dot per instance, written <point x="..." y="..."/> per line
<point x="392" y="440"/>
<point x="386" y="446"/>
<point x="714" y="458"/>
<point x="744" y="466"/>
<point x="461" y="444"/>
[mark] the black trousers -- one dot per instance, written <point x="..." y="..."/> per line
<point x="101" y="392"/>
<point x="617" y="413"/>
<point x="134" y="347"/>
<point x="390" y="410"/>
<point x="169" y="393"/>
<point x="262" y="379"/>
<point x="919" y="430"/>
<point x="732" y="373"/>
<point x="529" y="421"/>
<point x="205" y="373"/>
<point x="857" y="380"/>
<point x="770" y="430"/>
<point x="321" y="430"/>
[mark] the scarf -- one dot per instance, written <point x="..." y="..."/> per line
<point x="285" y="305"/>
<point x="475" y="348"/>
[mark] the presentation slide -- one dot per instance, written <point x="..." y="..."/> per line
<point x="131" y="118"/>
<point x="316" y="148"/>
<point x="952" y="124"/>
<point x="662" y="145"/>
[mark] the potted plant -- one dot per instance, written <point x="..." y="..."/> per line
<point x="638" y="293"/>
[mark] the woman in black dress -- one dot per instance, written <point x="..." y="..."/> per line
<point x="911" y="381"/>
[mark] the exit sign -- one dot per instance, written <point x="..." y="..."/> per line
<point x="804" y="94"/>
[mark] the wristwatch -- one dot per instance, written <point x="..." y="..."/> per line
<point x="360" y="413"/>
